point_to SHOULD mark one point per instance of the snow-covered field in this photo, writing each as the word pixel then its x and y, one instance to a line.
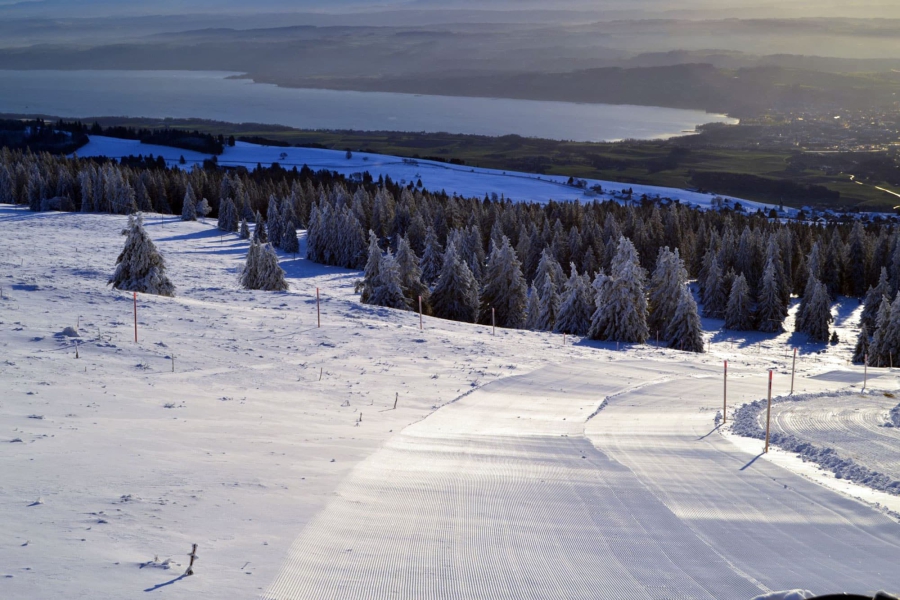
pixel 273 445
pixel 454 179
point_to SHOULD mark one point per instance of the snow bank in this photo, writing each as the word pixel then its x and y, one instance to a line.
pixel 746 423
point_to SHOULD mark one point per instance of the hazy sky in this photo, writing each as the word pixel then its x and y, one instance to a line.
pixel 686 8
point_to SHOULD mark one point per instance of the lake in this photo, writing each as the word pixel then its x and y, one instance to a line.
pixel 213 95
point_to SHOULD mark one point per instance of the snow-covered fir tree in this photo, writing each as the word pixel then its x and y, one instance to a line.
pixel 140 267
pixel 684 330
pixel 228 217
pixel 861 350
pixel 504 288
pixel 549 307
pixel 262 271
pixel 621 313
pixel 533 309
pixel 289 241
pixel 203 208
pixel 244 231
pixel 665 289
pixel 770 310
pixel 739 312
pixel 455 294
pixel 878 355
pixel 890 344
pixel 411 275
pixel 189 206
pixel 386 290
pixel 801 318
pixel 872 302
pixel 817 318
pixel 274 226
pixel 432 258
pixel 576 306
pixel 548 269
pixel 260 235
pixel 715 291
pixel 370 275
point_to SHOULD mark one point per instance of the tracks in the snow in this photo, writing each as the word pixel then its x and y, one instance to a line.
pixel 502 495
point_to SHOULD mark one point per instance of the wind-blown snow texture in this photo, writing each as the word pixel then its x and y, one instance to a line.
pixel 454 179
pixel 273 433
pixel 747 423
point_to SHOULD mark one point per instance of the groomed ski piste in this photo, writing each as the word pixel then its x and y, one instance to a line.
pixel 461 180
pixel 513 466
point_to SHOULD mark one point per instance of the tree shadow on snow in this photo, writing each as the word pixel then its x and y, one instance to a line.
pixel 845 308
pixel 196 235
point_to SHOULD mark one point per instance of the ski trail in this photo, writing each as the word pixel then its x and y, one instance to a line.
pixel 500 495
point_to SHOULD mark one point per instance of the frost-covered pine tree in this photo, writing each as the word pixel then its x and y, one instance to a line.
pixel 455 295
pixel 432 258
pixel 890 345
pixel 533 309
pixel 861 351
pixel 387 291
pixel 289 241
pixel 504 288
pixel 801 319
pixel 665 289
pixel 274 226
pixel 245 230
pixel 250 272
pixel 873 299
pixel 262 271
pixel 818 314
pixel 549 307
pixel 203 208
pixel 189 206
pixel 770 310
pixel 410 274
pixel 140 267
pixel 878 356
pixel 370 275
pixel 260 235
pixel 576 306
pixel 621 313
pixel 684 330
pixel 548 268
pixel 715 291
pixel 739 312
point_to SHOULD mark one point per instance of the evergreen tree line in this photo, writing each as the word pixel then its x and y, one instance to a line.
pixel 747 266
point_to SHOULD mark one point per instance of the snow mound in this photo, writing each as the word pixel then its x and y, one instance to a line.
pixel 69 332
pixel 746 423
pixel 787 595
pixel 894 417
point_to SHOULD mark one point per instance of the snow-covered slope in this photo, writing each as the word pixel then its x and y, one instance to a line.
pixel 454 179
pixel 270 428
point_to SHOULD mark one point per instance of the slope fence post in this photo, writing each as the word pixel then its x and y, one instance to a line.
pixel 769 413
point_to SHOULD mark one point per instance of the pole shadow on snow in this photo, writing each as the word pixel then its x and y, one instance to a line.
pixel 753 460
pixel 712 431
pixel 162 585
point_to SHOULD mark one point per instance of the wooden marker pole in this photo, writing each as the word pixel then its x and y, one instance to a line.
pixel 493 321
pixel 173 362
pixel 564 339
pixel 318 310
pixel 135 317
pixel 769 413
pixel 420 314
pixel 396 398
pixel 193 555
pixel 865 371
pixel 76 348
pixel 793 370
pixel 725 394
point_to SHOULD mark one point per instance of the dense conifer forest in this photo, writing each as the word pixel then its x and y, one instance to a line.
pixel 607 270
